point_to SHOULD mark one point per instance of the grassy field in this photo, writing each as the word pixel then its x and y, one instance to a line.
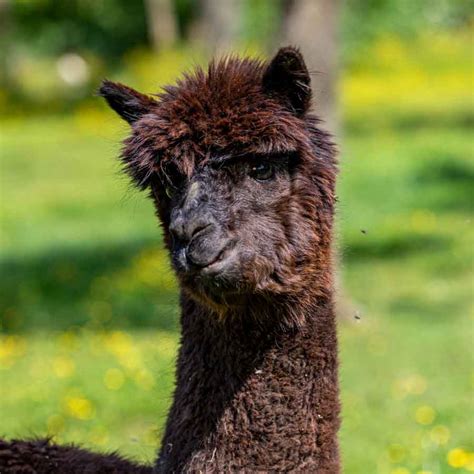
pixel 89 304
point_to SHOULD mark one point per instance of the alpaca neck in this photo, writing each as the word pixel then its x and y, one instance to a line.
pixel 254 398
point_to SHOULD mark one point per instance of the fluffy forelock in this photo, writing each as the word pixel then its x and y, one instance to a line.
pixel 223 110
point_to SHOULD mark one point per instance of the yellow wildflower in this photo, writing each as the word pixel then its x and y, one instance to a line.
pixel 458 457
pixel 440 434
pixel 425 415
pixel 80 408
pixel 396 453
pixel 470 462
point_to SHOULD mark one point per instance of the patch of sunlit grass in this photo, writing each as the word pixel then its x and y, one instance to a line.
pixel 428 76
pixel 64 388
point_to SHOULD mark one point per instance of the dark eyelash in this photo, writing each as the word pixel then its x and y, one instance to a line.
pixel 171 176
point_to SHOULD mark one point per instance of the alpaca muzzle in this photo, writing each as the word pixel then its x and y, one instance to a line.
pixel 198 240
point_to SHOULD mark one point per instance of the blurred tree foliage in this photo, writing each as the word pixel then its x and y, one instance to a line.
pixel 53 52
pixel 109 28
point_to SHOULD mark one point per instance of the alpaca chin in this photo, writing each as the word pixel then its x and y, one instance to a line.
pixel 219 305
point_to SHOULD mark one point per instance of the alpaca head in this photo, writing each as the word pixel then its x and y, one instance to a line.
pixel 242 178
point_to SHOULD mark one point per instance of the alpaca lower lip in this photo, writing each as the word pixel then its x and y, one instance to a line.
pixel 219 263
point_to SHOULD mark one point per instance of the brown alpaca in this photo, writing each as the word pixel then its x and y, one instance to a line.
pixel 243 182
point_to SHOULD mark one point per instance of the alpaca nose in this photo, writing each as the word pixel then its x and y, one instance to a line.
pixel 184 227
pixel 198 239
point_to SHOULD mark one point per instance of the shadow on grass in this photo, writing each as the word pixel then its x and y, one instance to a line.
pixel 127 285
pixel 445 168
pixel 422 309
pixel 447 181
pixel 409 121
pixel 394 246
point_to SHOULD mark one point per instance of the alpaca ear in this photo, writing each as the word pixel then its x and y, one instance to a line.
pixel 287 79
pixel 127 102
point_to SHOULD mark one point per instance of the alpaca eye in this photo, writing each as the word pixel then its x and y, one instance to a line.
pixel 170 191
pixel 262 171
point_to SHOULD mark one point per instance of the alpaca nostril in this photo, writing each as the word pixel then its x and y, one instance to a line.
pixel 176 228
pixel 184 228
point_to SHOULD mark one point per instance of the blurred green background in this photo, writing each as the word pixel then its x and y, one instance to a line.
pixel 88 301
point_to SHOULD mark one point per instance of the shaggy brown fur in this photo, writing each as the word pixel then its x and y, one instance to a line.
pixel 243 182
pixel 41 456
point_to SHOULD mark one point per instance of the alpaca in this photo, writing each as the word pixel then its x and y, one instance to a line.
pixel 243 182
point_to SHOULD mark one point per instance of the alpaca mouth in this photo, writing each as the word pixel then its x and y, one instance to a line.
pixel 218 278
pixel 219 262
